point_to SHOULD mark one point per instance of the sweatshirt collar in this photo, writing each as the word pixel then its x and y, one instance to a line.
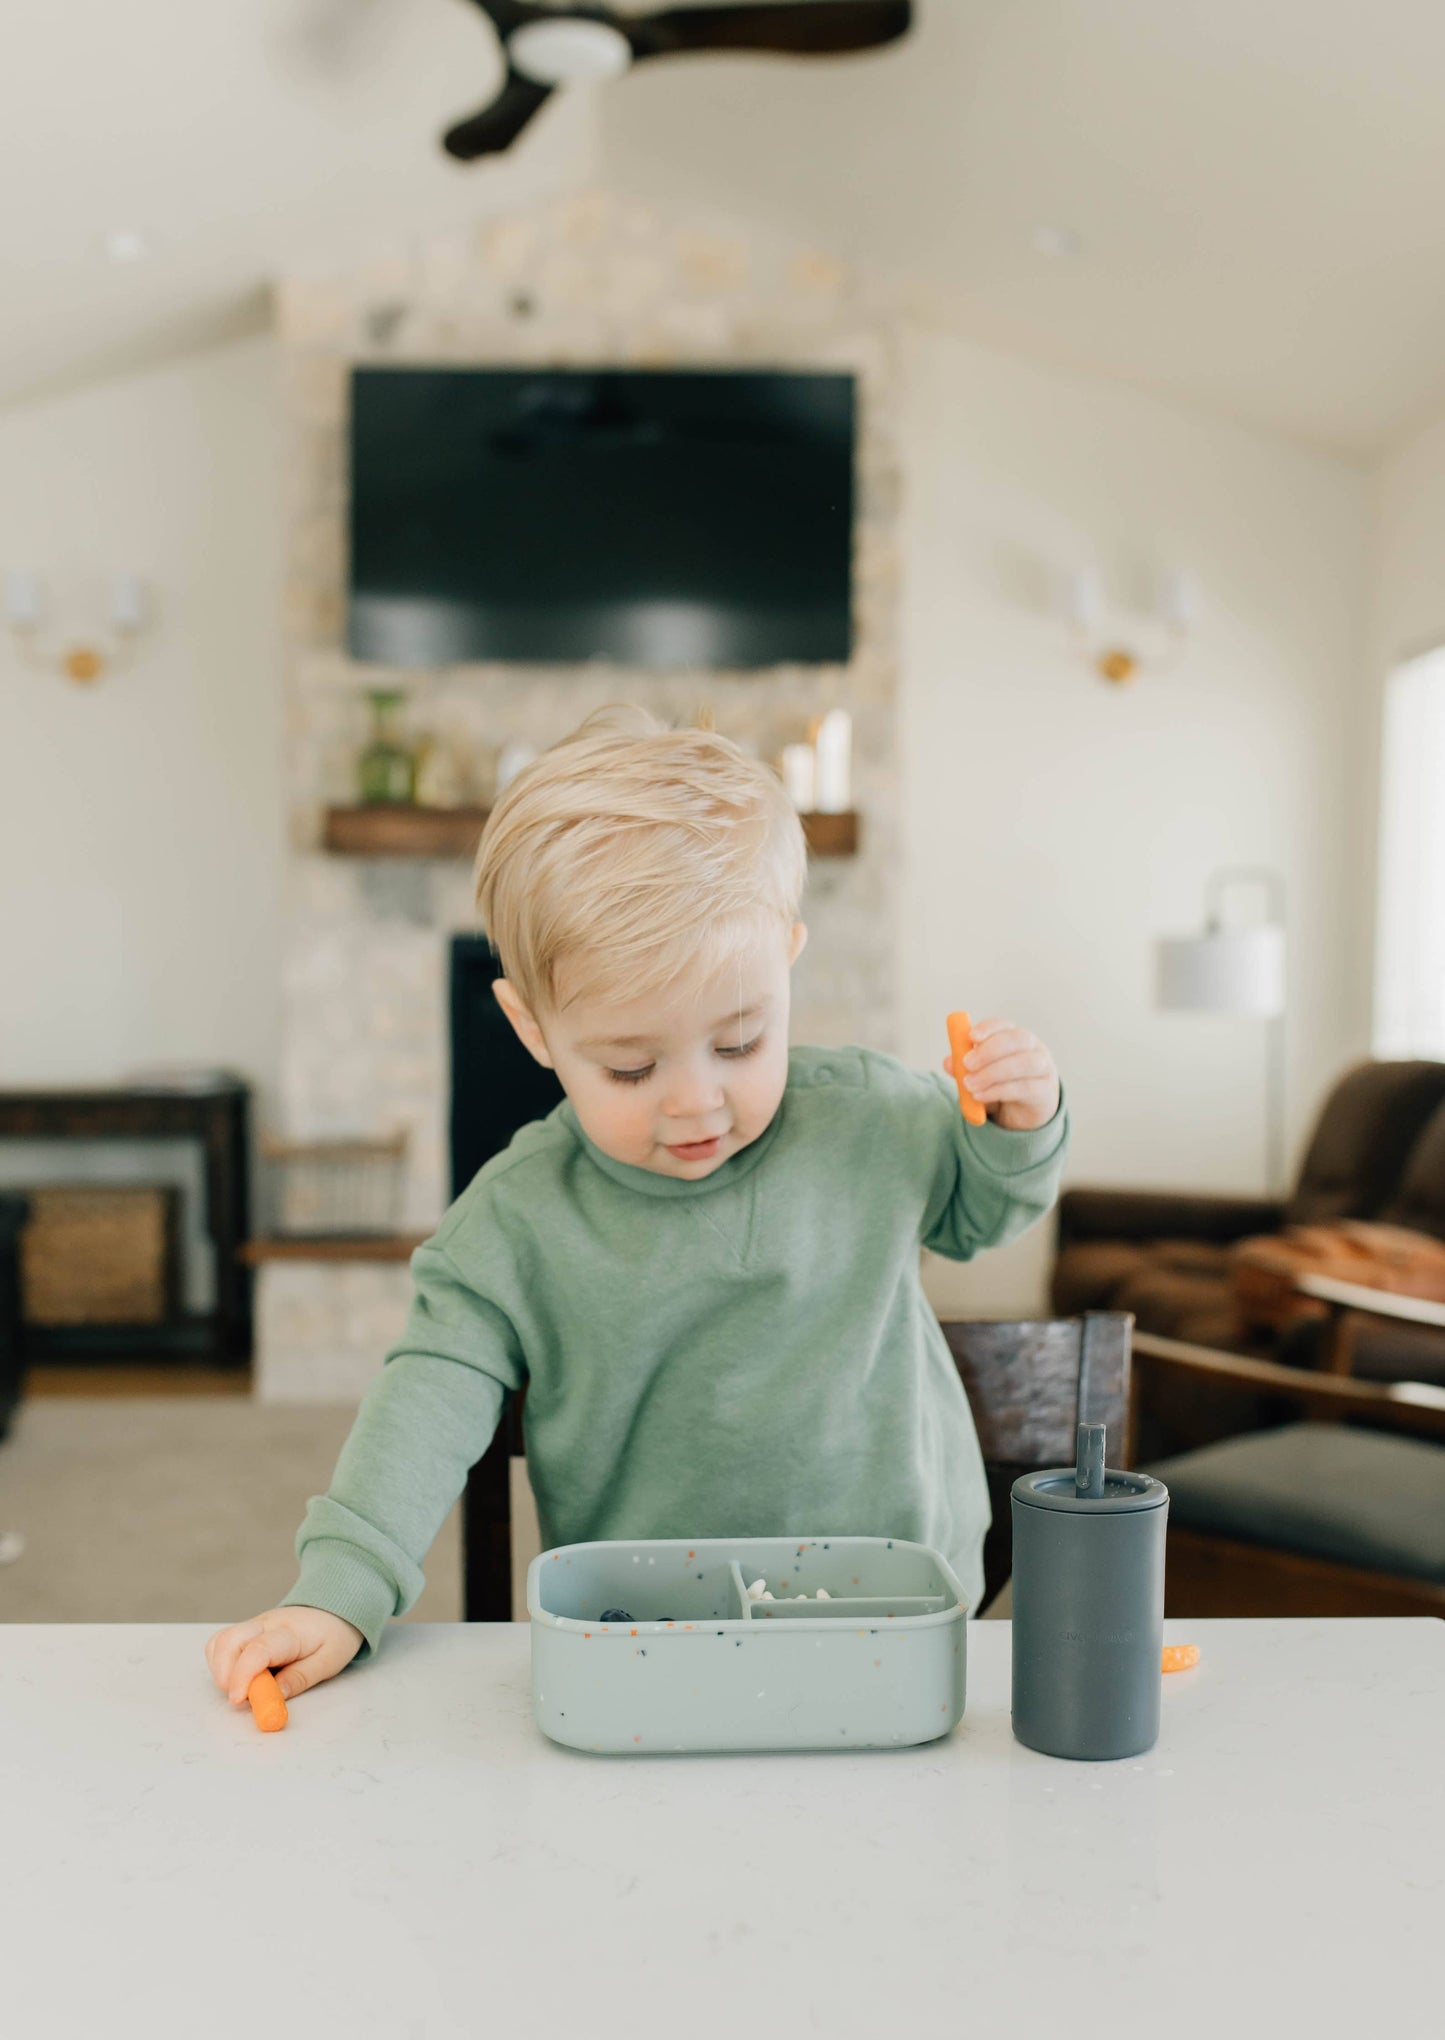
pixel 650 1184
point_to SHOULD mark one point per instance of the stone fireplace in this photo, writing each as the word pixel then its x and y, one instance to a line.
pixel 585 280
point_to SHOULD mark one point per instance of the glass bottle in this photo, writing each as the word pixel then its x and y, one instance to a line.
pixel 388 770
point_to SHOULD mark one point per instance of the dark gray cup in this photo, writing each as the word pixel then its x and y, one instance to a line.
pixel 1088 1606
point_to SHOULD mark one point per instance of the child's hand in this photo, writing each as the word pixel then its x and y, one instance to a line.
pixel 308 1642
pixel 1011 1074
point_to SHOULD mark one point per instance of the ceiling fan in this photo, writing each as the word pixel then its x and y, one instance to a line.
pixel 550 46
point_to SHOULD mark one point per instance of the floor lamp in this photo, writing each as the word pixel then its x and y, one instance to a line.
pixel 1242 971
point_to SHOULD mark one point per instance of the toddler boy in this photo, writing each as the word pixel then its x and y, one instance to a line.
pixel 704 1264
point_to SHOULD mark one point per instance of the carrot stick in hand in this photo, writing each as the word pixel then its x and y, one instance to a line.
pixel 960 1041
pixel 266 1702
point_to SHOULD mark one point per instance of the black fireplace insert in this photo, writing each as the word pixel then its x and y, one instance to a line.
pixel 497 1088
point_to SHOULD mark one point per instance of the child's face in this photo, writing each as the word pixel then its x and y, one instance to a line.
pixel 678 1081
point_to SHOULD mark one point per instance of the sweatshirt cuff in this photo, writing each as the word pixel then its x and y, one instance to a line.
pixel 342 1580
pixel 1008 1152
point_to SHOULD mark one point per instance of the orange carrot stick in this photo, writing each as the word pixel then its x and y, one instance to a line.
pixel 1179 1657
pixel 960 1041
pixel 266 1702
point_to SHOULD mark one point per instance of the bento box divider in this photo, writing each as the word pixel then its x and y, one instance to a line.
pixel 740 1592
pixel 872 1608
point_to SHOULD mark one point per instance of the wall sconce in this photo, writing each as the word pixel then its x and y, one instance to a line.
pixel 1174 614
pixel 81 657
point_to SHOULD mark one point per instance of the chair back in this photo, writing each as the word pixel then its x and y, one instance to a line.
pixel 1419 1202
pixel 1029 1385
pixel 1362 1139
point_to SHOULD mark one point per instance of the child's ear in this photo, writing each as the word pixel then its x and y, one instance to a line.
pixel 797 943
pixel 523 1020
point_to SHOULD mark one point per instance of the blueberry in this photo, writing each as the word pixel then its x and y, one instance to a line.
pixel 615 1615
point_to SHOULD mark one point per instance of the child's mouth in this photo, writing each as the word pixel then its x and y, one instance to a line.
pixel 697 1150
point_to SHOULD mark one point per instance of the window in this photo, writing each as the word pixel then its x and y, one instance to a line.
pixel 1410 948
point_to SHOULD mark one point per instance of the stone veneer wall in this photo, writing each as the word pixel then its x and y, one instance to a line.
pixel 585 281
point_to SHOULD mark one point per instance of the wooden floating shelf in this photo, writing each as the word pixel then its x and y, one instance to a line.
pixel 395 830
pixel 386 830
pixel 344 1247
pixel 831 835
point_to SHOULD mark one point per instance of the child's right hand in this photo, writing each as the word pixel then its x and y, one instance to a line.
pixel 310 1644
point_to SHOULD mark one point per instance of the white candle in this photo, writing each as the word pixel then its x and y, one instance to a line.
pixel 834 749
pixel 800 775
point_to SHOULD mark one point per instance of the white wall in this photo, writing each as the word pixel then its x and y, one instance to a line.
pixel 1409 544
pixel 141 830
pixel 1054 825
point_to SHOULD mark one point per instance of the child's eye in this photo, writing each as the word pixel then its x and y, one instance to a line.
pixel 733 1054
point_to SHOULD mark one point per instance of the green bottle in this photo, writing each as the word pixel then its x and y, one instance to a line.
pixel 388 769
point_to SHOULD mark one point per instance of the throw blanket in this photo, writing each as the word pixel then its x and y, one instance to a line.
pixel 1265 1269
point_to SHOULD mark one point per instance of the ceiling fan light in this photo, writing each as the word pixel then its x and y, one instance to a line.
pixel 568 52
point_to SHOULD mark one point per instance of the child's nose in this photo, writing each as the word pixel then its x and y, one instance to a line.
pixel 693 1094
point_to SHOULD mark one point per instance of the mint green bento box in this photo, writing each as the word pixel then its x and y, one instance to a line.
pixel 697 1665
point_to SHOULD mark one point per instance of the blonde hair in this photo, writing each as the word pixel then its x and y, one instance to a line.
pixel 630 849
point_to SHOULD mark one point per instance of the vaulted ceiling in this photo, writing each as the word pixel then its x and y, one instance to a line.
pixel 1245 195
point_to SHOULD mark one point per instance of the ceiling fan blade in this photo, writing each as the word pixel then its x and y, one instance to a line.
pixel 496 126
pixel 505 15
pixel 807 28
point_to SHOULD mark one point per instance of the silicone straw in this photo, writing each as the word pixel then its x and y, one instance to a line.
pixel 1089 1470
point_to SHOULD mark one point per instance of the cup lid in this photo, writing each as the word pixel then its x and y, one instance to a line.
pixel 1057 1488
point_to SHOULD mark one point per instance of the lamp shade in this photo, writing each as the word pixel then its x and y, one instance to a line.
pixel 1239 970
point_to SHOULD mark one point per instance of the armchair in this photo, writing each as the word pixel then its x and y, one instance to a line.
pixel 1377 1152
pixel 1314 1517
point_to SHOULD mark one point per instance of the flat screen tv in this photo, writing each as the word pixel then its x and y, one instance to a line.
pixel 673 518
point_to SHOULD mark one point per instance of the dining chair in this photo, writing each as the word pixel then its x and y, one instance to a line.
pixel 1029 1384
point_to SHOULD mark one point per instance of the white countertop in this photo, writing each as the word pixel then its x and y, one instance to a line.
pixel 411 1859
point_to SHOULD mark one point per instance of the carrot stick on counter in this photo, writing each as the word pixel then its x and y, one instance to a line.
pixel 266 1702
pixel 1180 1657
pixel 960 1041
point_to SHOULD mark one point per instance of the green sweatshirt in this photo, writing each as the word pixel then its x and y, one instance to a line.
pixel 746 1355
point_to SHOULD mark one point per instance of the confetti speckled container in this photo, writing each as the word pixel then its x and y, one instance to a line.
pixel 697 1666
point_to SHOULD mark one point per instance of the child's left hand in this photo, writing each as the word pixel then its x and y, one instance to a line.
pixel 1012 1075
